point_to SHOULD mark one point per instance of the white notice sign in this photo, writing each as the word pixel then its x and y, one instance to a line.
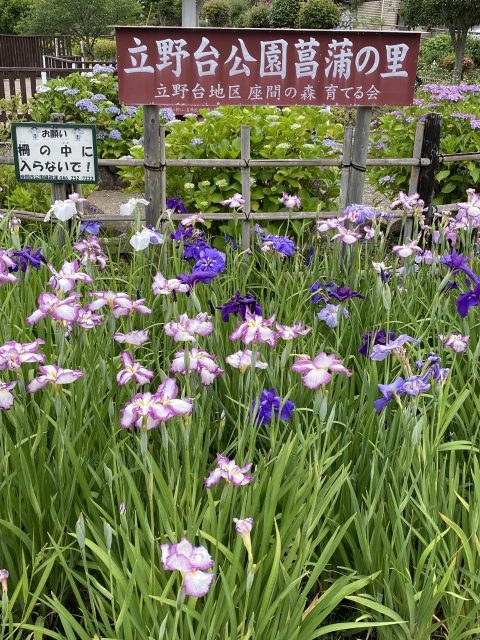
pixel 55 152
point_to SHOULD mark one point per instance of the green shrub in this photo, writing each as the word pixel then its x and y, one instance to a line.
pixel 105 50
pixel 258 17
pixel 284 13
pixel 169 13
pixel 319 14
pixel 449 64
pixel 435 50
pixel 217 12
pixel 472 49
pixel 238 9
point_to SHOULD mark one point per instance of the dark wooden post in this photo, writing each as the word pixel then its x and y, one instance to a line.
pixel 59 190
pixel 430 150
pixel 360 152
pixel 151 133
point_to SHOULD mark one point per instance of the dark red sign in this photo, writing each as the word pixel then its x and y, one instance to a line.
pixel 191 68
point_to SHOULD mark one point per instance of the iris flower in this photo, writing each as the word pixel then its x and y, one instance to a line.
pixel 268 403
pixel 49 305
pixel 381 351
pixel 379 337
pixel 290 202
pixel 239 304
pixel 6 396
pixel 191 562
pixel 289 333
pixel 62 209
pixel 330 315
pixel 455 341
pixel 255 328
pixel 26 258
pixel 234 202
pixel 54 374
pixel 13 354
pixel 148 410
pixel 132 371
pixel 200 361
pixel 161 285
pixel 135 338
pixel 388 391
pixel 186 329
pixel 228 470
pixel 319 370
pixel 243 360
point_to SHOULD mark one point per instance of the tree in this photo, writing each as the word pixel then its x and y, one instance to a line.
pixel 11 12
pixel 284 13
pixel 319 14
pixel 85 20
pixel 217 12
pixel 459 16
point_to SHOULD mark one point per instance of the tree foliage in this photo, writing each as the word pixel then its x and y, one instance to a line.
pixel 258 16
pixel 319 14
pixel 11 12
pixel 457 15
pixel 284 13
pixel 217 12
pixel 82 19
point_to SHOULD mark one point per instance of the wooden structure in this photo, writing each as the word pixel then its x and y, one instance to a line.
pixel 28 51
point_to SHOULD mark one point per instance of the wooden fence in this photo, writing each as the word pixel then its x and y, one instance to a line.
pixel 27 51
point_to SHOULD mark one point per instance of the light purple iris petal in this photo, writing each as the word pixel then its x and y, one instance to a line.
pixel 6 397
pixel 198 583
pixel 380 352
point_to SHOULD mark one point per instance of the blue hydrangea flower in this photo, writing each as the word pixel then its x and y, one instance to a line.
pixel 114 110
pixel 167 113
pixel 71 92
pixel 121 117
pixel 87 105
pixel 115 134
pixel 101 135
pixel 196 141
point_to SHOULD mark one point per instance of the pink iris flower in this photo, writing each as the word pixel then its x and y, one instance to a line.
pixel 13 354
pixel 126 307
pixel 148 410
pixel 327 225
pixel 91 252
pixel 135 338
pixel 54 374
pixel 5 260
pixel 186 329
pixel 347 236
pixel 49 305
pixel 88 244
pixel 191 562
pixel 6 396
pixel 317 371
pixel 407 202
pixel 228 470
pixel 455 341
pixel 234 202
pixel 255 328
pixel 192 220
pixel 243 360
pixel 87 319
pixel 133 371
pixel 65 279
pixel 406 250
pixel 161 285
pixel 289 333
pixel 110 298
pixel 7 277
pixel 200 361
pixel 290 202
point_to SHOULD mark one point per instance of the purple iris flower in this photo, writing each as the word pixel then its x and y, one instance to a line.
pixel 326 290
pixel 235 244
pixel 457 262
pixel 239 304
pixel 308 259
pixel 177 205
pixel 193 251
pixel 268 402
pixel 280 244
pixel 414 385
pixel 26 258
pixel 388 391
pixel 227 238
pixel 91 226
pixel 197 276
pixel 431 360
pixel 344 293
pixel 470 298
pixel 210 260
pixel 380 352
pixel 181 233
pixel 379 337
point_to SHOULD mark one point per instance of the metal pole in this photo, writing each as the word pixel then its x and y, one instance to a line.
pixel 151 133
pixel 245 152
pixel 189 13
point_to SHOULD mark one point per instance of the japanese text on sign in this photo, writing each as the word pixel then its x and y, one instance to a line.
pixel 55 152
pixel 192 68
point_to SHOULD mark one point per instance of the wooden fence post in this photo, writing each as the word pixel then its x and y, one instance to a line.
pixel 414 175
pixel 346 160
pixel 59 190
pixel 245 170
pixel 163 177
pixel 430 149
pixel 151 137
pixel 360 151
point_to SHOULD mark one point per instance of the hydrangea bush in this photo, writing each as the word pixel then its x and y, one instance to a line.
pixel 460 109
